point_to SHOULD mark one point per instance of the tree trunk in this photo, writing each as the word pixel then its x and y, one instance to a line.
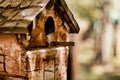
pixel 106 34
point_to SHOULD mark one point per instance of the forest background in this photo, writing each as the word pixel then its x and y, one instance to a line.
pixel 98 42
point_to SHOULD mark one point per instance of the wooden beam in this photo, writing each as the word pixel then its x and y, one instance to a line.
pixel 2 54
pixel 62 44
pixel 12 75
pixel 52 44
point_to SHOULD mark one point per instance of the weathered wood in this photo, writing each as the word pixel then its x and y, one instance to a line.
pixel 2 62
pixel 18 14
pixel 52 63
pixel 29 9
pixel 25 3
pixel 36 3
pixel 16 30
pixel 15 27
pixel 62 44
pixel 2 54
pixel 23 24
pixel 66 15
pixel 1 1
pixel 27 14
pixel 9 13
pixel 48 61
pixel 2 20
pixel 5 3
pixel 13 75
pixel 15 3
pixel 51 45
pixel 9 24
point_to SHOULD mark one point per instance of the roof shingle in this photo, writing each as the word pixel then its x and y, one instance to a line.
pixel 19 13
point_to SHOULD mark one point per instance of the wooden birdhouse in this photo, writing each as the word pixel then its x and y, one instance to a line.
pixel 34 38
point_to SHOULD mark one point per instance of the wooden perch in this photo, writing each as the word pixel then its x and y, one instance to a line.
pixel 2 54
pixel 52 44
pixel 62 44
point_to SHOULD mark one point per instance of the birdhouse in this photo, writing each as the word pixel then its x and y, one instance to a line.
pixel 34 38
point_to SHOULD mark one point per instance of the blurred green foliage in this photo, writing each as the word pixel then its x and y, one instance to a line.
pixel 87 9
pixel 91 10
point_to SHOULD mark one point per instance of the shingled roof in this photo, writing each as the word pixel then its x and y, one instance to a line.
pixel 17 15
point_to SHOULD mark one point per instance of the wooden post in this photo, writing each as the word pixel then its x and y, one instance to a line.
pixel 72 59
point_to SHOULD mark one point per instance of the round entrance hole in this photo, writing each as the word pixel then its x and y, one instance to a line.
pixel 49 26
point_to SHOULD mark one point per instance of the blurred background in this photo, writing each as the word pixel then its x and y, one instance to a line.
pixel 97 51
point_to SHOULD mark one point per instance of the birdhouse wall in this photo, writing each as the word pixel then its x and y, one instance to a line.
pixel 10 47
pixel 48 63
pixel 38 34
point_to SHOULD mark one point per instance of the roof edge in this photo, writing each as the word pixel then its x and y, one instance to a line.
pixel 67 15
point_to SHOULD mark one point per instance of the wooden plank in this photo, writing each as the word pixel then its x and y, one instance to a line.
pixel 61 8
pixel 18 16
pixel 52 44
pixel 1 20
pixel 1 67
pixel 1 59
pixel 62 44
pixel 9 13
pixel 15 3
pixel 49 65
pixel 25 3
pixel 5 3
pixel 27 14
pixel 9 24
pixel 1 10
pixel 14 30
pixel 48 76
pixel 23 24
pixel 35 3
pixel 2 54
pixel 10 3
pixel 1 1
pixel 13 75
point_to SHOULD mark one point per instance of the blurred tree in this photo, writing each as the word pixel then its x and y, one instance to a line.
pixel 89 10
pixel 106 35
pixel 95 10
